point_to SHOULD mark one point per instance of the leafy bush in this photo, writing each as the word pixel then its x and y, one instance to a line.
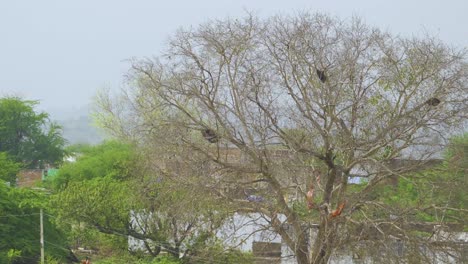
pixel 125 259
pixel 217 254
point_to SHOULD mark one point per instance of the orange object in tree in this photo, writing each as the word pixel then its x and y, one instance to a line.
pixel 338 210
pixel 310 197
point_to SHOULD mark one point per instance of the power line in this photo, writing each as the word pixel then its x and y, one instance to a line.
pixel 19 215
pixel 56 246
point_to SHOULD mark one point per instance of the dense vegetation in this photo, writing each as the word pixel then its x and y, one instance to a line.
pixel 99 198
pixel 265 117
pixel 19 222
pixel 27 136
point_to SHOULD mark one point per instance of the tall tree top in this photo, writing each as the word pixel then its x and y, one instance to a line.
pixel 29 136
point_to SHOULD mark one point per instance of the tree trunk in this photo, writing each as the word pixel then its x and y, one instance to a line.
pixel 302 258
pixel 302 250
pixel 323 244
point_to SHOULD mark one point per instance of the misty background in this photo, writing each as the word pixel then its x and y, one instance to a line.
pixel 62 52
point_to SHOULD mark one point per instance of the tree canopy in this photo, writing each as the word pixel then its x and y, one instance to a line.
pixel 19 222
pixel 289 108
pixel 112 159
pixel 8 168
pixel 109 190
pixel 27 136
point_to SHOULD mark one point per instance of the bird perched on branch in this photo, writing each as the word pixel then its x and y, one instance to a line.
pixel 210 135
pixel 321 75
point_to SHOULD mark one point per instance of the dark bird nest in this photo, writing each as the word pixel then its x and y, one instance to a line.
pixel 433 101
pixel 210 135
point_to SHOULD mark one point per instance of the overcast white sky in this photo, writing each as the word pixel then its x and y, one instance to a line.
pixel 60 52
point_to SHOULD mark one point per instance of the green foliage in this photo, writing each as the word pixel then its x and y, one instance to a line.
pixel 104 202
pixel 435 194
pixel 13 255
pixel 51 260
pixel 165 260
pixel 93 196
pixel 28 136
pixel 300 207
pixel 78 148
pixel 86 236
pixel 112 159
pixel 124 259
pixel 19 223
pixel 216 253
pixel 456 155
pixel 8 168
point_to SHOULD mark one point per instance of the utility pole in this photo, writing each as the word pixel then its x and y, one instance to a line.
pixel 44 191
pixel 42 237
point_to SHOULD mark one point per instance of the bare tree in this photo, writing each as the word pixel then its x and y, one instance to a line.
pixel 287 108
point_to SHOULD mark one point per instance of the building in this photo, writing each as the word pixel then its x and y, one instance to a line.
pixel 32 177
pixel 29 177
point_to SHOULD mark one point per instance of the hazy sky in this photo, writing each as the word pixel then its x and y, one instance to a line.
pixel 60 52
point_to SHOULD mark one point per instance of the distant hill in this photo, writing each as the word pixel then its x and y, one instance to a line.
pixel 80 130
pixel 77 125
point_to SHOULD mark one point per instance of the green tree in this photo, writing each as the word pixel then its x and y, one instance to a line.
pixel 27 136
pixel 8 168
pixel 107 189
pixel 111 159
pixel 436 193
pixel 425 203
pixel 93 189
pixel 19 224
